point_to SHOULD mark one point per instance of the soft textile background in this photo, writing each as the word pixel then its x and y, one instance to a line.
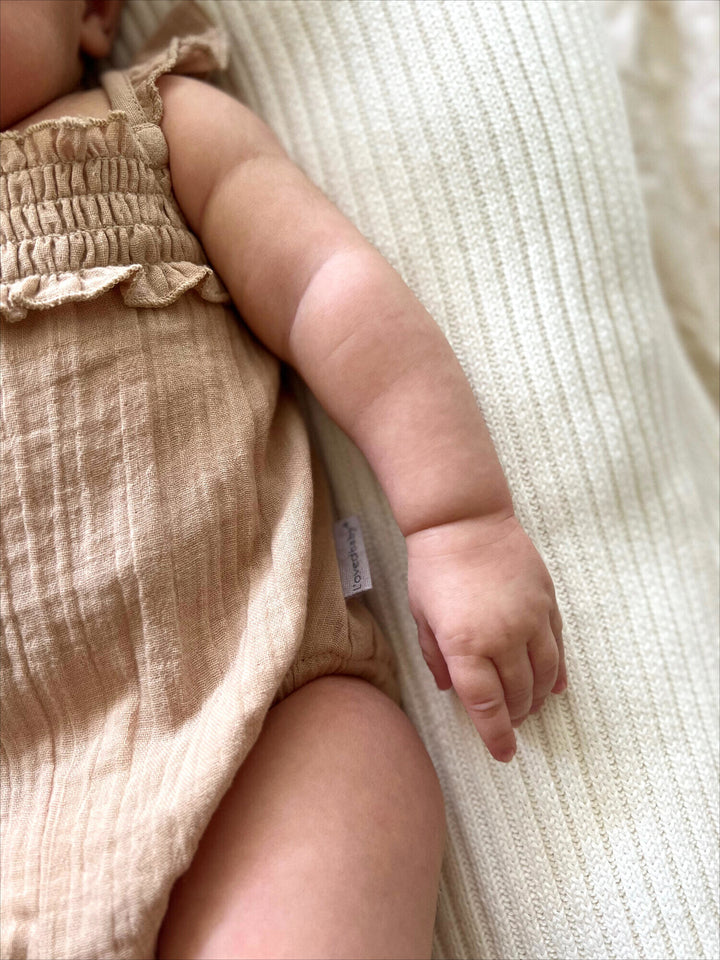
pixel 484 148
pixel 666 55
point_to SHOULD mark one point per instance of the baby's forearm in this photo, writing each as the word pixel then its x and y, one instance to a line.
pixel 324 300
pixel 384 371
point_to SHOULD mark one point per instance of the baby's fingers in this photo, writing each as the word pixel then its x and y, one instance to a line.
pixel 432 655
pixel 478 685
pixel 544 656
pixel 557 625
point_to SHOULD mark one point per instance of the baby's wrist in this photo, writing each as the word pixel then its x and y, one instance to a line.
pixel 489 525
pixel 451 496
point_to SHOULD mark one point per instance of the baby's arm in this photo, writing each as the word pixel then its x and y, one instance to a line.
pixel 325 301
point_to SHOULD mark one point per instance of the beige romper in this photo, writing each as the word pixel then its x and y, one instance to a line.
pixel 167 563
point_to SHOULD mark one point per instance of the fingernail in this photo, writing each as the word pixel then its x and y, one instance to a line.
pixel 507 755
pixel 562 688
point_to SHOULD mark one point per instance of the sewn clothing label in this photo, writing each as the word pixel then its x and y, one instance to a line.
pixel 352 558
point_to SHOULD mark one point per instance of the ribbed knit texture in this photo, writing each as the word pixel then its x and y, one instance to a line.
pixel 667 60
pixel 484 149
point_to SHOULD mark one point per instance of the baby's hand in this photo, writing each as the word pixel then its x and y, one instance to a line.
pixel 488 622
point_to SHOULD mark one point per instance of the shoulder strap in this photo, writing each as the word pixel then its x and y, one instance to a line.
pixel 122 96
pixel 185 42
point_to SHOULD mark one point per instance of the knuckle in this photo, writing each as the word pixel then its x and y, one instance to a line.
pixel 517 624
pixel 462 644
pixel 505 621
pixel 486 708
pixel 519 695
pixel 483 645
pixel 546 671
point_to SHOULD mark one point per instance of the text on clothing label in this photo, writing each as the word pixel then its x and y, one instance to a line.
pixel 352 558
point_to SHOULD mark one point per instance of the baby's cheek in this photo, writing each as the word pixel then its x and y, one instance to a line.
pixel 39 55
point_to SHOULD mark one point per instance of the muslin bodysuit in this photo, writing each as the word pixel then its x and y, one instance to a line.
pixel 168 571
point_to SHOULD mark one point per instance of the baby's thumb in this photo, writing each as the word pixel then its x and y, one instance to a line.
pixel 433 655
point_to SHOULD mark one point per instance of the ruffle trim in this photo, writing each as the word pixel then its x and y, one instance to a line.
pixel 186 42
pixel 141 285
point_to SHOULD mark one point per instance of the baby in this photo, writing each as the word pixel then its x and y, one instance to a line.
pixel 324 301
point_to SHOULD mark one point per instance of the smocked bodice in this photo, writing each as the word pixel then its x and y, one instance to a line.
pixel 86 204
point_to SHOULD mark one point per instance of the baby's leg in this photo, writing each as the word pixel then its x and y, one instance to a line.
pixel 328 843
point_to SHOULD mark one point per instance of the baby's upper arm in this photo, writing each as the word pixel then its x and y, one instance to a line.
pixel 208 133
pixel 264 226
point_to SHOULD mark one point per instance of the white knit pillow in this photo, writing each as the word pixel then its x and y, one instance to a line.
pixel 483 148
pixel 666 56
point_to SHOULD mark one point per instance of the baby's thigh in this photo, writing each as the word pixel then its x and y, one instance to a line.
pixel 328 843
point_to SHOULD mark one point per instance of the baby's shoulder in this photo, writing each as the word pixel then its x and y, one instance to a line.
pixel 197 111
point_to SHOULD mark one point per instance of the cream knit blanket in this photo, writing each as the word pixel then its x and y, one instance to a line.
pixel 483 147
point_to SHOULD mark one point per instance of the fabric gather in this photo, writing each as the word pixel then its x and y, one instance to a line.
pixel 86 206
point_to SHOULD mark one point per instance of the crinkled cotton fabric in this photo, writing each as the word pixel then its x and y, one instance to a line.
pixel 168 569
